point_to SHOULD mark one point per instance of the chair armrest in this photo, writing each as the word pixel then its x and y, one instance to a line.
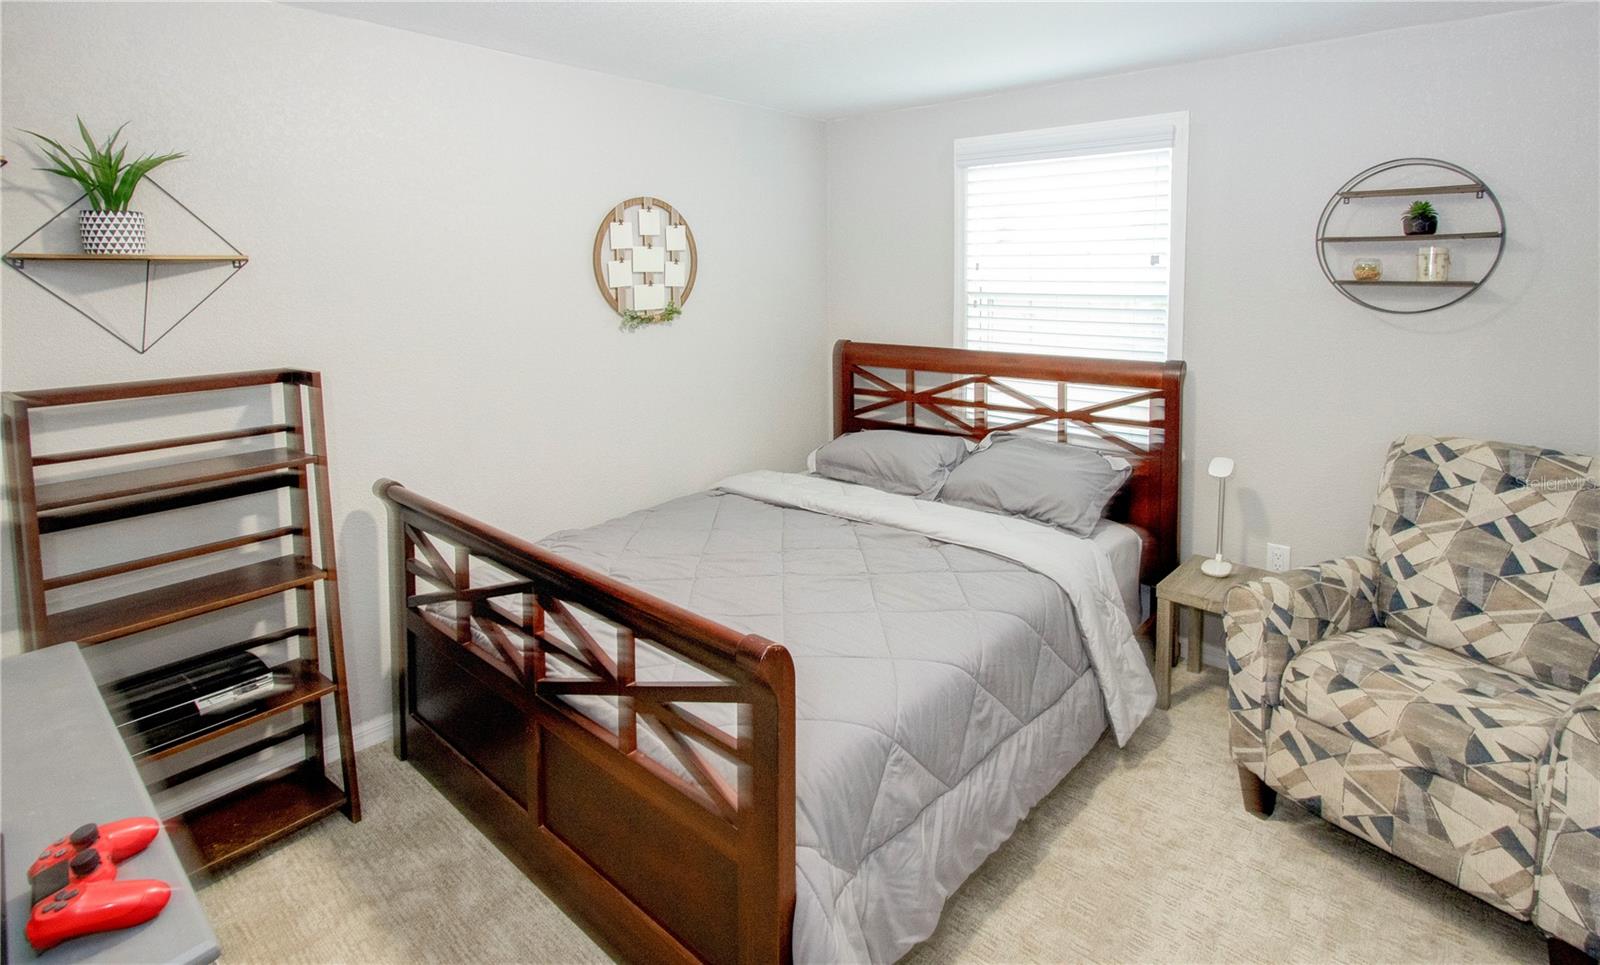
pixel 1567 890
pixel 1268 621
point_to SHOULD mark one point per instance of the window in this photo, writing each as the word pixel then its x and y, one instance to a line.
pixel 1070 240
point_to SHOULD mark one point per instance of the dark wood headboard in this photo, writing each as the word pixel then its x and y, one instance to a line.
pixel 1127 408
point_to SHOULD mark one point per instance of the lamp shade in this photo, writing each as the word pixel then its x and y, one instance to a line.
pixel 1220 468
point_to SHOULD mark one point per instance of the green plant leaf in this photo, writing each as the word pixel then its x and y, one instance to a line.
pixel 134 173
pixel 633 319
pixel 105 172
pixel 88 141
pixel 111 141
pixel 49 141
pixel 67 165
pixel 62 157
pixel 107 178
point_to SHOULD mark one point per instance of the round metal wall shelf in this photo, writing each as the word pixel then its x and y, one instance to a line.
pixel 1370 184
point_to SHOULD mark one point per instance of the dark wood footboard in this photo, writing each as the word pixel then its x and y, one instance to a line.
pixel 497 646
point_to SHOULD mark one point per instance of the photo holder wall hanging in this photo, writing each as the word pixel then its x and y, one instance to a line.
pixel 644 261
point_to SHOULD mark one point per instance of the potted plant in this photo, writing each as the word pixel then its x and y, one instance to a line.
pixel 1420 219
pixel 106 227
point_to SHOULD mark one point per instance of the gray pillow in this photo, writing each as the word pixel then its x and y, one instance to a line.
pixel 909 463
pixel 1049 482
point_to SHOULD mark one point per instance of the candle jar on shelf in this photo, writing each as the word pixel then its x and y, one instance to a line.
pixel 1367 269
pixel 1433 263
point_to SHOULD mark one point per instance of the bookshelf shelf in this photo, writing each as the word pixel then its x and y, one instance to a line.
pixel 237 823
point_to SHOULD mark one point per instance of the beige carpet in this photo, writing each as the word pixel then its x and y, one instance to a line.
pixel 1141 855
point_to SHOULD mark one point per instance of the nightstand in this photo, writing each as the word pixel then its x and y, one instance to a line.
pixel 1186 588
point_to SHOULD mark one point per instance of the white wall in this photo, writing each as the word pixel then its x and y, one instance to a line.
pixel 1302 387
pixel 419 216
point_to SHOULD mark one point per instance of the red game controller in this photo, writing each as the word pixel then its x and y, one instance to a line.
pixel 95 906
pixel 87 866
pixel 117 842
pixel 75 891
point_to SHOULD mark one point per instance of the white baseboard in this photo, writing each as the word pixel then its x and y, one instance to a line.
pixel 180 799
pixel 369 734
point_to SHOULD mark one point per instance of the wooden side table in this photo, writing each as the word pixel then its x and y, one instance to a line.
pixel 1186 588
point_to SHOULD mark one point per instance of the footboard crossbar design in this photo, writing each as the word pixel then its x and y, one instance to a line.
pixel 636 759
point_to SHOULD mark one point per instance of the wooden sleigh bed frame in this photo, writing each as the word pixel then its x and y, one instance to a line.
pixel 656 867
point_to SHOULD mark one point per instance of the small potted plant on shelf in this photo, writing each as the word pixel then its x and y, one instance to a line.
pixel 106 227
pixel 1420 219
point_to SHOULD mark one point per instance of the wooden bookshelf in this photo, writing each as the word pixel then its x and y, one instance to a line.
pixel 90 487
pixel 306 685
pixel 149 609
pixel 138 482
pixel 151 445
pixel 178 497
pixel 258 814
pixel 174 556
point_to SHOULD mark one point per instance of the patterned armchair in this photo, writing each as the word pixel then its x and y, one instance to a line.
pixel 1441 697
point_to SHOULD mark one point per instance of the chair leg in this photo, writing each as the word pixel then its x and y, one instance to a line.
pixel 1563 954
pixel 1259 799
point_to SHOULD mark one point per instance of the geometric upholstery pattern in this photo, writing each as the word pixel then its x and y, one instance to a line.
pixel 1267 622
pixel 1483 846
pixel 1441 698
pixel 1491 549
pixel 1569 814
pixel 1481 727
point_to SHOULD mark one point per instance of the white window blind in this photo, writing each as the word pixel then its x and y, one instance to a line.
pixel 1069 240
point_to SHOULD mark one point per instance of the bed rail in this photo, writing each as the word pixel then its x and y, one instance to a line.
pixel 500 658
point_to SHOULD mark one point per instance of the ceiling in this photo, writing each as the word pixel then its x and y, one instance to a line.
pixel 833 59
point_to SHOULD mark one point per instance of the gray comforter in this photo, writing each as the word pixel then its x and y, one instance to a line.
pixel 941 691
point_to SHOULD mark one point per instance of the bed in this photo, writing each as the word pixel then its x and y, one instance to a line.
pixel 785 718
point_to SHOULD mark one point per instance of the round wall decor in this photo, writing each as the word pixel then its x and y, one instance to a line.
pixel 1411 235
pixel 644 261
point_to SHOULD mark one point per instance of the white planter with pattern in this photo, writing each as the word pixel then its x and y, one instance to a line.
pixel 111 232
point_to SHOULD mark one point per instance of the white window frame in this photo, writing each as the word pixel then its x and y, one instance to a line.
pixel 1094 138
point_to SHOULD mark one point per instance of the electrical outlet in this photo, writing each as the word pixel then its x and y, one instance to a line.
pixel 1277 557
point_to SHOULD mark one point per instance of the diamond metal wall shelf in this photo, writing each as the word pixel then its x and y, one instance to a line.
pixel 146 339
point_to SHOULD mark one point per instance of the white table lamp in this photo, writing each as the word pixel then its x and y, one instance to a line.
pixel 1220 469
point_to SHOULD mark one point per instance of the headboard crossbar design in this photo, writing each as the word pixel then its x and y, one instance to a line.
pixel 1127 408
pixel 1028 412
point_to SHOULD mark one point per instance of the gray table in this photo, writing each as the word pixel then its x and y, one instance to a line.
pixel 63 764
